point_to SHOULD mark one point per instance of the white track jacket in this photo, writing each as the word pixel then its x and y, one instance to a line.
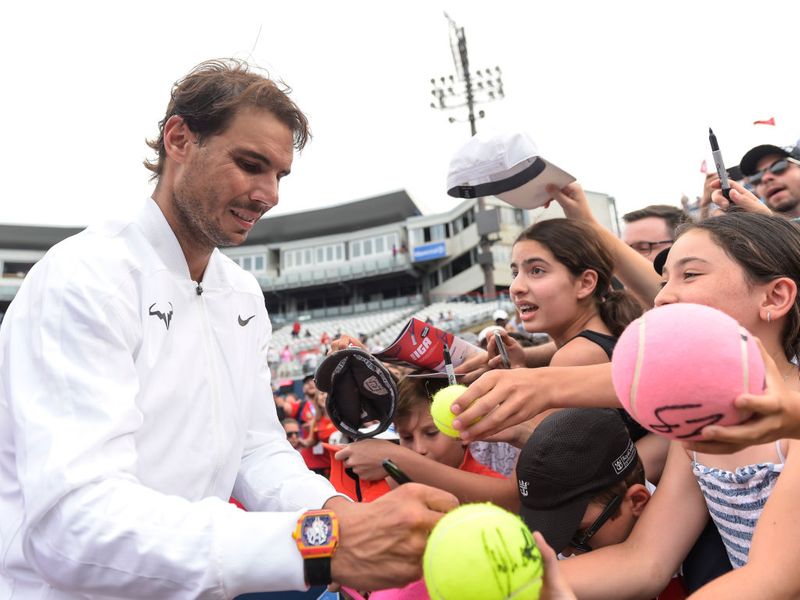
pixel 131 408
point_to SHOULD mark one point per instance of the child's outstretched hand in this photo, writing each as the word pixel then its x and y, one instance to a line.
pixel 555 587
pixel 776 415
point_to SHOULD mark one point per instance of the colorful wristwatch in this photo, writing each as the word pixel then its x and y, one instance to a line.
pixel 317 535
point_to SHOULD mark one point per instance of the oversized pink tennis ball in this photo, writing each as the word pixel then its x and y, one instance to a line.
pixel 679 367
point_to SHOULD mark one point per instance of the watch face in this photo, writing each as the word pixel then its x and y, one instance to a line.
pixel 317 530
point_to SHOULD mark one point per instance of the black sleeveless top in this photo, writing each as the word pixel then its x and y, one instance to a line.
pixel 607 343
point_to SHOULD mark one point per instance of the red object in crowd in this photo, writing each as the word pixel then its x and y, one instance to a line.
pixel 770 121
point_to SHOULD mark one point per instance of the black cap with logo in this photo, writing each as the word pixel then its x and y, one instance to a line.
pixel 361 392
pixel 573 455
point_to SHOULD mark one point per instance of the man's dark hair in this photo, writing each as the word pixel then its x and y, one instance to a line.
pixel 214 92
pixel 673 215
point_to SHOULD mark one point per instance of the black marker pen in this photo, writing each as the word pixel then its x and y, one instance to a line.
pixel 448 366
pixel 395 472
pixel 723 174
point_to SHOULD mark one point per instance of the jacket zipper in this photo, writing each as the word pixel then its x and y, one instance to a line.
pixel 214 389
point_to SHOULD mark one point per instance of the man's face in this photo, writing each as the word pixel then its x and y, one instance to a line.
pixel 225 184
pixel 643 234
pixel 310 389
pixel 780 191
pixel 292 434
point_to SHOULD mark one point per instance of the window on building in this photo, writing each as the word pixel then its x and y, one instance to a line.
pixel 355 249
pixel 461 263
pixel 339 252
pixel 247 263
pixel 367 247
pixel 320 255
pixel 307 256
pixel 438 232
pixel 329 254
pixel 380 245
pixel 258 265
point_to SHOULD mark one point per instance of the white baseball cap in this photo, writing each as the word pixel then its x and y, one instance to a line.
pixel 507 166
pixel 500 314
pixel 487 331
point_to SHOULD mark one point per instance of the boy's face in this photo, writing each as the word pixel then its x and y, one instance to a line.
pixel 613 531
pixel 418 433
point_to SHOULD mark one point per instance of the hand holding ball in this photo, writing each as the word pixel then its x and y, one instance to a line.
pixel 484 552
pixel 679 367
pixel 442 416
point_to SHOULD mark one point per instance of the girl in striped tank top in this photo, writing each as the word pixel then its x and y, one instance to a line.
pixel 748 266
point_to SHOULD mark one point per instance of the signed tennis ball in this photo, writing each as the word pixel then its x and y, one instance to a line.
pixel 440 409
pixel 679 367
pixel 484 552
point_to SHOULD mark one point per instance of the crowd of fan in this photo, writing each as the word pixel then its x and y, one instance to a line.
pixel 576 283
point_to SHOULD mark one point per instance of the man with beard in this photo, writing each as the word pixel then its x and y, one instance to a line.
pixel 135 395
pixel 774 174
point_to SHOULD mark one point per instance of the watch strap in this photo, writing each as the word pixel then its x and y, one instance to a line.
pixel 317 570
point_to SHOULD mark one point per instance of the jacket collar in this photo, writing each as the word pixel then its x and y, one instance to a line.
pixel 161 236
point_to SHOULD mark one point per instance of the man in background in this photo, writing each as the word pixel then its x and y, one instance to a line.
pixel 774 174
pixel 651 229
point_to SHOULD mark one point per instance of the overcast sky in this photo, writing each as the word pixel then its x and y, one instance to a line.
pixel 620 97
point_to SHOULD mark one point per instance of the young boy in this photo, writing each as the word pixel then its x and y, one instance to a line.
pixel 417 431
pixel 582 484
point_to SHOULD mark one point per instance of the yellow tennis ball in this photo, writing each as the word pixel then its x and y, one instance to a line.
pixel 440 409
pixel 484 552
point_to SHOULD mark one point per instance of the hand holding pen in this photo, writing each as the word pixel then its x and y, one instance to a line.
pixel 719 164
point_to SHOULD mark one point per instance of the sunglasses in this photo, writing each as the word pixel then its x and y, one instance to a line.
pixel 292 434
pixel 581 542
pixel 776 168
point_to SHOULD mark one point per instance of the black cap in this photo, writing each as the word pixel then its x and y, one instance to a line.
pixel 750 160
pixel 573 455
pixel 660 260
pixel 360 391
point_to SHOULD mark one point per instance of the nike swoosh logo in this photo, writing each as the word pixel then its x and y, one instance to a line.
pixel 244 322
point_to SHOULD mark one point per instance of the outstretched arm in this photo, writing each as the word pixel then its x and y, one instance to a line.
pixel 634 270
pixel 365 458
pixel 508 397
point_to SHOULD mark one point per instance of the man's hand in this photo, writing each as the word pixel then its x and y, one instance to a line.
pixel 365 458
pixel 776 415
pixel 382 542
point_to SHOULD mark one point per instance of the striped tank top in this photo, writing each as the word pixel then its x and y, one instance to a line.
pixel 735 500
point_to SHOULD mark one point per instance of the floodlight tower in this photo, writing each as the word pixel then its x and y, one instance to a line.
pixel 466 89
